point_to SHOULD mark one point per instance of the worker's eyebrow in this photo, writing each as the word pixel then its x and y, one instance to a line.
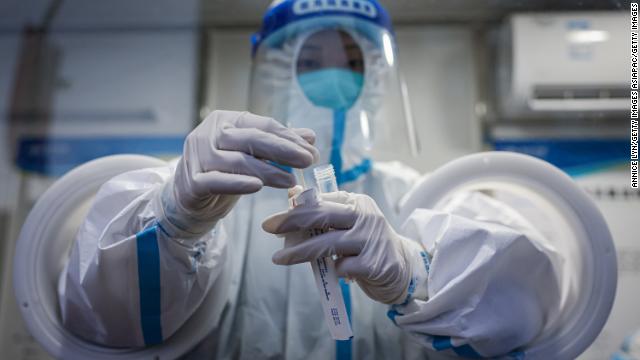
pixel 311 47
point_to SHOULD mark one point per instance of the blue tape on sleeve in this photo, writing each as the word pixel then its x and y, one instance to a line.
pixel 442 343
pixel 149 285
pixel 391 314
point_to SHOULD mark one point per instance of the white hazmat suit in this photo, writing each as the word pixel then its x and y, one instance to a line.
pixel 474 280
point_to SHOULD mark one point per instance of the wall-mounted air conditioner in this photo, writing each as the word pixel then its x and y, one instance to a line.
pixel 563 64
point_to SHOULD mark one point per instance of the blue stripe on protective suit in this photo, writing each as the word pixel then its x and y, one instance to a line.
pixel 442 343
pixel 355 172
pixel 339 124
pixel 391 314
pixel 149 285
pixel 288 169
pixel 344 347
pixel 344 350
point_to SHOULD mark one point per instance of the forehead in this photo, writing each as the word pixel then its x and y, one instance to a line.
pixel 330 38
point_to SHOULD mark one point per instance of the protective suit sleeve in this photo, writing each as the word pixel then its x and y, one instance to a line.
pixel 128 283
pixel 492 285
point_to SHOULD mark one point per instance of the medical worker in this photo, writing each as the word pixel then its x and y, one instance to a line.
pixel 474 279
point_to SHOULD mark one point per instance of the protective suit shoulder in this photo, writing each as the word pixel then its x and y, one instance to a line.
pixel 390 181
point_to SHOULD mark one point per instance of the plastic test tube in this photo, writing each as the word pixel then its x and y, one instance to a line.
pixel 324 271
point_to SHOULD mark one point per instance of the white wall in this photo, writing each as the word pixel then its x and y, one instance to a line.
pixel 111 92
pixel 620 211
pixel 227 69
pixel 125 82
pixel 92 14
pixel 438 65
pixel 436 61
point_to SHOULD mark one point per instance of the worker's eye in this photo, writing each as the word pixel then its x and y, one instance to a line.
pixel 308 64
pixel 356 65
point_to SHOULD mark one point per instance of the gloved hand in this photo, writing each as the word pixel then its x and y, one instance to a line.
pixel 386 265
pixel 225 156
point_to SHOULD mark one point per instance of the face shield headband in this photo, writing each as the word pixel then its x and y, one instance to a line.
pixel 290 12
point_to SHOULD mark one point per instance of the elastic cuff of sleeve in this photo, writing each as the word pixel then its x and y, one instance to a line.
pixel 420 262
pixel 165 210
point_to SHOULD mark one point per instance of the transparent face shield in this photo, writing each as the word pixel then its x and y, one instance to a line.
pixel 337 75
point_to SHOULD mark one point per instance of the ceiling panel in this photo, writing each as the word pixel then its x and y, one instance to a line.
pixel 249 12
pixel 83 14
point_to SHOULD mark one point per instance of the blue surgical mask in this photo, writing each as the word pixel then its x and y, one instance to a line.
pixel 336 89
pixel 333 88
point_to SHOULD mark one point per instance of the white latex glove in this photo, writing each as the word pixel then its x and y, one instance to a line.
pixel 224 157
pixel 386 265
